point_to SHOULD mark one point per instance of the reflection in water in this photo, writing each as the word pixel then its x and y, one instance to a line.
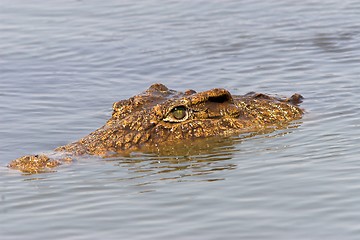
pixel 177 162
pixel 198 160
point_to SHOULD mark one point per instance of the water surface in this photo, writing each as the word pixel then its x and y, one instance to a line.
pixel 63 63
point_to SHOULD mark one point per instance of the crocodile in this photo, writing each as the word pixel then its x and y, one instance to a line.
pixel 160 116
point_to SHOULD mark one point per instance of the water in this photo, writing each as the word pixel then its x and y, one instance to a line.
pixel 63 63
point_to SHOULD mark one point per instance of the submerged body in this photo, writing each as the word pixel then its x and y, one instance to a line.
pixel 161 116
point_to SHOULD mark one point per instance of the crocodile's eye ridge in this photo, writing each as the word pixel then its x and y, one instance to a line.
pixel 177 114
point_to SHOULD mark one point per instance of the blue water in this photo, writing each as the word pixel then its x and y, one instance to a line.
pixel 63 63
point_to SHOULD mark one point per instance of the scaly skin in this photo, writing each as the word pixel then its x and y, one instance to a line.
pixel 162 116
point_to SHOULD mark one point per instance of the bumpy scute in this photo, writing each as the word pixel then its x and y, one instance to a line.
pixel 34 163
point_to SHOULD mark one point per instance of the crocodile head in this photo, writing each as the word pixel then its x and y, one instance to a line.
pixel 160 116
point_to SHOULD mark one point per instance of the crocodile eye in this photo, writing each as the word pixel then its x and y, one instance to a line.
pixel 177 114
